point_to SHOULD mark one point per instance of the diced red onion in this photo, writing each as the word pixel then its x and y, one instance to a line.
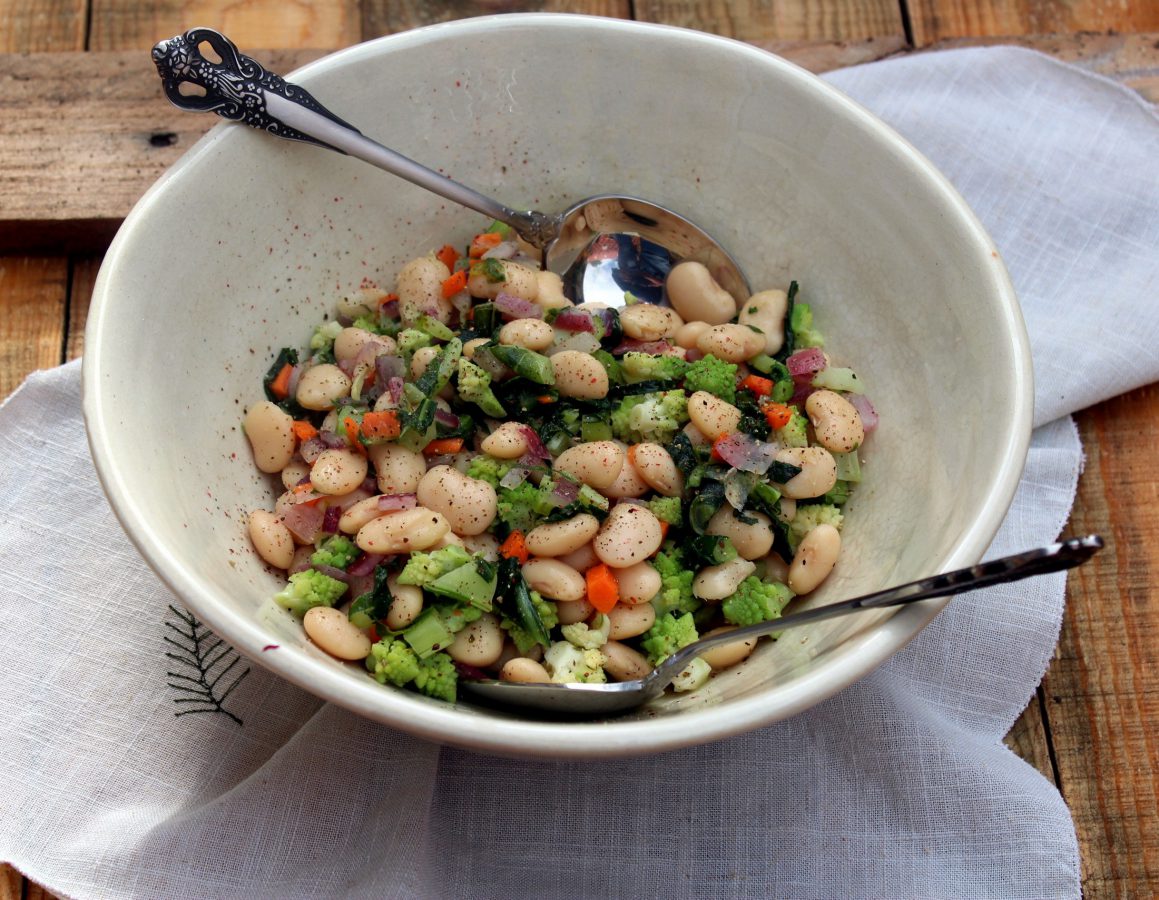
pixel 389 309
pixel 564 491
pixel 806 362
pixel 330 519
pixel 344 320
pixel 489 364
pixel 335 573
pixel 392 502
pixel 502 250
pixel 535 446
pixel 292 384
pixel 575 320
pixel 312 448
pixel 512 307
pixel 301 560
pixel 580 341
pixel 332 440
pixel 745 453
pixel 388 366
pixel 693 354
pixel 609 317
pixel 513 478
pixel 444 417
pixel 364 565
pixel 654 348
pixel 472 673
pixel 361 584
pixel 304 521
pixel 347 367
pixel 865 409
pixel 369 484
pixel 394 387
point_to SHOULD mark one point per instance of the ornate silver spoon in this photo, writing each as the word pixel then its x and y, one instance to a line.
pixel 593 700
pixel 602 246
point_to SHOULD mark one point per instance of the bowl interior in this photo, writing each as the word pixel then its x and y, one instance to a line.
pixel 248 241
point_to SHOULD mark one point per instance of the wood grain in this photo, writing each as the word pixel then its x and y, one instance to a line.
pixel 932 20
pixel 82 277
pixel 34 291
pixel 1103 689
pixel 11 883
pixel 760 20
pixel 42 26
pixel 381 17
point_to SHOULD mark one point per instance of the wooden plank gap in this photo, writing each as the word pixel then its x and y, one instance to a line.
pixel 1044 712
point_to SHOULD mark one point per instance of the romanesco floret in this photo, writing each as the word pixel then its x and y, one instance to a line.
pixel 437 677
pixel 456 618
pixel 668 635
pixel 666 509
pixel 489 469
pixel 474 386
pixel 411 339
pixel 650 417
pixel 804 334
pixel 517 507
pixel 337 551
pixel 638 366
pixel 422 568
pixel 567 663
pixel 675 585
pixel 713 375
pixel 794 433
pixel 809 517
pixel 548 615
pixel 322 341
pixel 756 601
pixel 369 323
pixel 392 660
pixel 309 589
pixel 588 637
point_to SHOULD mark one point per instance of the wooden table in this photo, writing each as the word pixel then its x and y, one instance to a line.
pixel 84 130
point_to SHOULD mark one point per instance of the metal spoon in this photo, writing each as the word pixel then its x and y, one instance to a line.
pixel 588 700
pixel 602 246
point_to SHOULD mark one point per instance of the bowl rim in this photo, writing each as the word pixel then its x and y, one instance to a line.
pixel 445 723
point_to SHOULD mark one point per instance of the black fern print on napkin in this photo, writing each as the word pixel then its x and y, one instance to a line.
pixel 207 675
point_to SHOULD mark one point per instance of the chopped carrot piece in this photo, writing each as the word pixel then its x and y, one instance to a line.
pixel 762 387
pixel 280 386
pixel 777 414
pixel 381 426
pixel 454 284
pixel 603 589
pixel 303 430
pixel 351 426
pixel 515 546
pixel 448 256
pixel 388 298
pixel 663 529
pixel 443 445
pixel 716 457
pixel 481 243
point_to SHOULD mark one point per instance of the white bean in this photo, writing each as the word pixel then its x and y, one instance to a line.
pixel 579 375
pixel 524 671
pixel 549 294
pixel 469 504
pixel 338 471
pixel 508 441
pixel 405 606
pixel 836 421
pixel 420 290
pixel 732 343
pixel 350 342
pixel 532 334
pixel 333 632
pixel 554 580
pixel 766 310
pixel 270 431
pixel 322 386
pixel 712 416
pixel 358 514
pixel 397 469
pixel 623 663
pixel 815 558
pixel 402 532
pixel 630 534
pixel 294 473
pixel 484 543
pixel 480 643
pixel 574 611
pixel 628 483
pixel 638 583
pixel 518 280
pixel 474 344
pixel 818 471
pixel 560 538
pixel 271 538
pixel 648 322
pixel 751 541
pixel 422 358
pixel 695 294
pixel 716 583
pixel 728 654
pixel 655 466
pixel 689 333
pixel 580 559
pixel 630 621
pixel 596 463
pixel 776 569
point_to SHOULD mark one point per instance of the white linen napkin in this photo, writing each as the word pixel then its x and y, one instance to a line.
pixel 899 786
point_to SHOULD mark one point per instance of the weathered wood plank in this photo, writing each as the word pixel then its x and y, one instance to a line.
pixel 932 20
pixel 381 17
pixel 758 20
pixel 1103 689
pixel 117 25
pixel 1029 739
pixel 11 883
pixel 81 138
pixel 32 297
pixel 82 276
pixel 42 26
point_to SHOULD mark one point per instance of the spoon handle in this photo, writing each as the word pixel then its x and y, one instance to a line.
pixel 240 88
pixel 1064 555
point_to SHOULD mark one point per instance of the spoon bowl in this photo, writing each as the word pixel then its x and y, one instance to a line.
pixel 591 700
pixel 601 247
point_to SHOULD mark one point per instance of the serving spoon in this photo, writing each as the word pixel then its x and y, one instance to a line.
pixel 602 247
pixel 593 700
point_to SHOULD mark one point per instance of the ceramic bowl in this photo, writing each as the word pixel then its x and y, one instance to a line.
pixel 247 241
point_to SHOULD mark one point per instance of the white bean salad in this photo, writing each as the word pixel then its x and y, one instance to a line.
pixel 479 479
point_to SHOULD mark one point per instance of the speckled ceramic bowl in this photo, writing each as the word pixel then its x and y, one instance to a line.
pixel 247 241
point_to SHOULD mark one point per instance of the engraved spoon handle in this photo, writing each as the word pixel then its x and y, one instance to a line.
pixel 240 88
